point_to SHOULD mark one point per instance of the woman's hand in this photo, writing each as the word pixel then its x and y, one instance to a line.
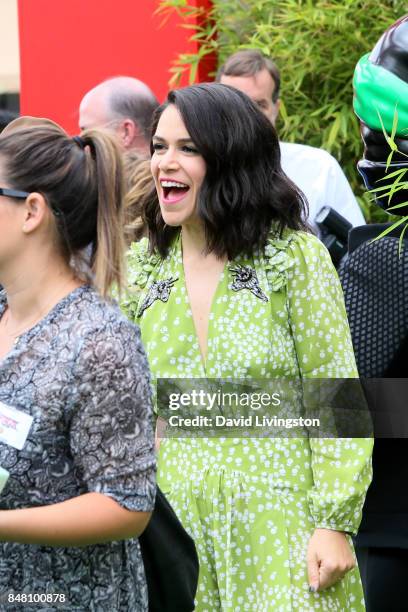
pixel 329 558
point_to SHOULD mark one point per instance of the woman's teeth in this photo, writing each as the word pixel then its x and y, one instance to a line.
pixel 173 191
pixel 173 184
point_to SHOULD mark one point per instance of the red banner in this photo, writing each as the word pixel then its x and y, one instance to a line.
pixel 68 46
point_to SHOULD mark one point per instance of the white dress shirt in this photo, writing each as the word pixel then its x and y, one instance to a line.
pixel 322 181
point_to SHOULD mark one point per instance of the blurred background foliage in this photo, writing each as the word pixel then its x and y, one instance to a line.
pixel 316 45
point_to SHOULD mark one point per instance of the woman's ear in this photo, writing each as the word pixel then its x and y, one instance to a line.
pixel 36 212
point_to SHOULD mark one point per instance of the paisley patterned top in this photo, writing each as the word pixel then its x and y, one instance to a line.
pixel 252 504
pixel 82 374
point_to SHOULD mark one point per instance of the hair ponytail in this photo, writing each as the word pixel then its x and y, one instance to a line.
pixel 109 245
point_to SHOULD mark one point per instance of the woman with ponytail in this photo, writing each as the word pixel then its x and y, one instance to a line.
pixel 76 443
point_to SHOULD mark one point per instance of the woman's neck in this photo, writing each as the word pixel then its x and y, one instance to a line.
pixel 33 291
pixel 195 247
pixel 193 241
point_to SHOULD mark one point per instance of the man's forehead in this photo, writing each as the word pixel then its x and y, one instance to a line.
pixel 94 110
pixel 257 86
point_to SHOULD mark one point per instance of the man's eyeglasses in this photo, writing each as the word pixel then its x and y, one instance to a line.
pixel 14 193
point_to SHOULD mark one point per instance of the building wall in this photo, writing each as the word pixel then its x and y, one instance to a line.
pixel 9 50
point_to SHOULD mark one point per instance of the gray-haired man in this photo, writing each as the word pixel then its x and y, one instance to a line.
pixel 123 104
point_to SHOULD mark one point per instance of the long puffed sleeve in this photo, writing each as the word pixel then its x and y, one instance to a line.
pixel 112 441
pixel 341 466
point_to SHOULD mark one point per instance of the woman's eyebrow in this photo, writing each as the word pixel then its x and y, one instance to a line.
pixel 179 141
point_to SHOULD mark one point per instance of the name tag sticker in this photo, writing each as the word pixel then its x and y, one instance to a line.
pixel 14 426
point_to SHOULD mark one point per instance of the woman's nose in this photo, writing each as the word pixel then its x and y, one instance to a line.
pixel 169 160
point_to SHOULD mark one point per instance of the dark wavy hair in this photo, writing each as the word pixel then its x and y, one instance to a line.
pixel 245 191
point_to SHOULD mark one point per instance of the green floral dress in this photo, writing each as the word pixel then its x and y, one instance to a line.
pixel 251 504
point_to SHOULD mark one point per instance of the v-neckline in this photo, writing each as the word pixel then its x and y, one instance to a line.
pixel 224 273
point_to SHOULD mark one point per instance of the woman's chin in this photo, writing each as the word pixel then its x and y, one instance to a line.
pixel 171 220
pixel 176 218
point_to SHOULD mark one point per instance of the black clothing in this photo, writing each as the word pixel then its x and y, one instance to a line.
pixel 374 277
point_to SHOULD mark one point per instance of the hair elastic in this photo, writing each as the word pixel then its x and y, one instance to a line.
pixel 80 141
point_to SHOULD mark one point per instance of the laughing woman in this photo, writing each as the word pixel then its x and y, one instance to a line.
pixel 229 285
pixel 76 439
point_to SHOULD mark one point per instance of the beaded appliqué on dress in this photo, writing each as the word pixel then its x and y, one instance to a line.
pixel 245 278
pixel 159 290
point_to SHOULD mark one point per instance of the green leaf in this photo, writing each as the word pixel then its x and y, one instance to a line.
pixel 283 111
pixel 394 188
pixel 333 131
pixel 391 228
pixel 386 189
pixel 193 72
pixel 390 140
pixel 398 206
pixel 401 239
pixel 394 123
pixel 400 171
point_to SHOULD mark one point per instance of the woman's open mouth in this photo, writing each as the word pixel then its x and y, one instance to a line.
pixel 173 191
